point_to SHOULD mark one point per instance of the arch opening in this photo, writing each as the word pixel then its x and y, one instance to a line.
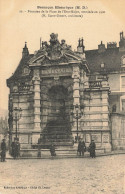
pixel 58 127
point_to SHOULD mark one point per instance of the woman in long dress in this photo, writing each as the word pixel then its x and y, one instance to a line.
pixel 92 148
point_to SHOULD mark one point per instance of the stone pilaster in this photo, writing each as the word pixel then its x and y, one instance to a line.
pixel 76 84
pixel 76 91
pixel 83 97
pixel 106 136
pixel 10 120
pixel 37 113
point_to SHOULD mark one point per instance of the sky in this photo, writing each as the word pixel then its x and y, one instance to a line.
pixel 17 27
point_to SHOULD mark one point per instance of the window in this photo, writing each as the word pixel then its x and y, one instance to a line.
pixel 15 88
pixel 123 61
pixel 114 108
pixel 123 83
pixel 123 104
pixel 25 70
pixel 123 128
pixel 102 65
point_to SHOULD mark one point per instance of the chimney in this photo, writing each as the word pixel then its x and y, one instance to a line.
pixel 80 47
pixel 122 42
pixel 121 35
pixel 101 47
pixel 111 45
pixel 25 52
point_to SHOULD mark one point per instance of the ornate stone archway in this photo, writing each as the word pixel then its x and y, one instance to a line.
pixel 57 79
pixel 58 126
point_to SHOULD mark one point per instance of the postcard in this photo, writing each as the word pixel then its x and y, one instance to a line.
pixel 62 96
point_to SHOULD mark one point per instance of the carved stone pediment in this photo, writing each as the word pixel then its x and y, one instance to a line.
pixel 54 52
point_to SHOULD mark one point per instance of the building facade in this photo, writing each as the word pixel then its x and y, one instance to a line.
pixel 110 61
pixel 64 95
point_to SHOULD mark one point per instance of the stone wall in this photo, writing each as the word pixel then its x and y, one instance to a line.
pixel 114 82
pixel 94 123
pixel 118 131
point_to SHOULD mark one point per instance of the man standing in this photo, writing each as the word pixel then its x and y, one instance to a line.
pixel 83 147
pixel 3 150
pixel 92 147
pixel 79 148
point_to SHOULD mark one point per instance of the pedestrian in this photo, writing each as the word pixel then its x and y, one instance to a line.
pixel 79 151
pixel 52 150
pixel 83 147
pixel 92 147
pixel 3 150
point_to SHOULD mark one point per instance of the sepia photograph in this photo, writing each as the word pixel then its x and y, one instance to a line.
pixel 62 97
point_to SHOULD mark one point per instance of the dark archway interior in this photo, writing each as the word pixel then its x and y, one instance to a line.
pixel 58 128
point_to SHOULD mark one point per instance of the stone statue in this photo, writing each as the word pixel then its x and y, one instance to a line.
pixel 54 39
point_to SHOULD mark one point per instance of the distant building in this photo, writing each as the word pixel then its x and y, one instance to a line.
pixel 66 95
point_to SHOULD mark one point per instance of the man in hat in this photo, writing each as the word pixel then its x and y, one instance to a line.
pixel 83 147
pixel 3 150
pixel 79 148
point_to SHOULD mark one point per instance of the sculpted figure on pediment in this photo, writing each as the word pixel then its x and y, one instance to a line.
pixel 64 45
pixel 54 39
pixel 55 50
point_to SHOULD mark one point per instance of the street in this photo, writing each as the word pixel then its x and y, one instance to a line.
pixel 63 176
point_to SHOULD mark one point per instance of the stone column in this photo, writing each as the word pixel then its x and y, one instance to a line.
pixel 37 113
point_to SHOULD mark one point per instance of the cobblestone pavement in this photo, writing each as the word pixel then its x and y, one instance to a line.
pixel 64 176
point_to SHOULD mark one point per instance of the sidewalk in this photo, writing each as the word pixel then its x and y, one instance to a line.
pixel 86 155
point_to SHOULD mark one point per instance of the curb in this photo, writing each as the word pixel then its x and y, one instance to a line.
pixel 65 156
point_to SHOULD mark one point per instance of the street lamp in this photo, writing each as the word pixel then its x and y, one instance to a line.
pixel 77 115
pixel 17 113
